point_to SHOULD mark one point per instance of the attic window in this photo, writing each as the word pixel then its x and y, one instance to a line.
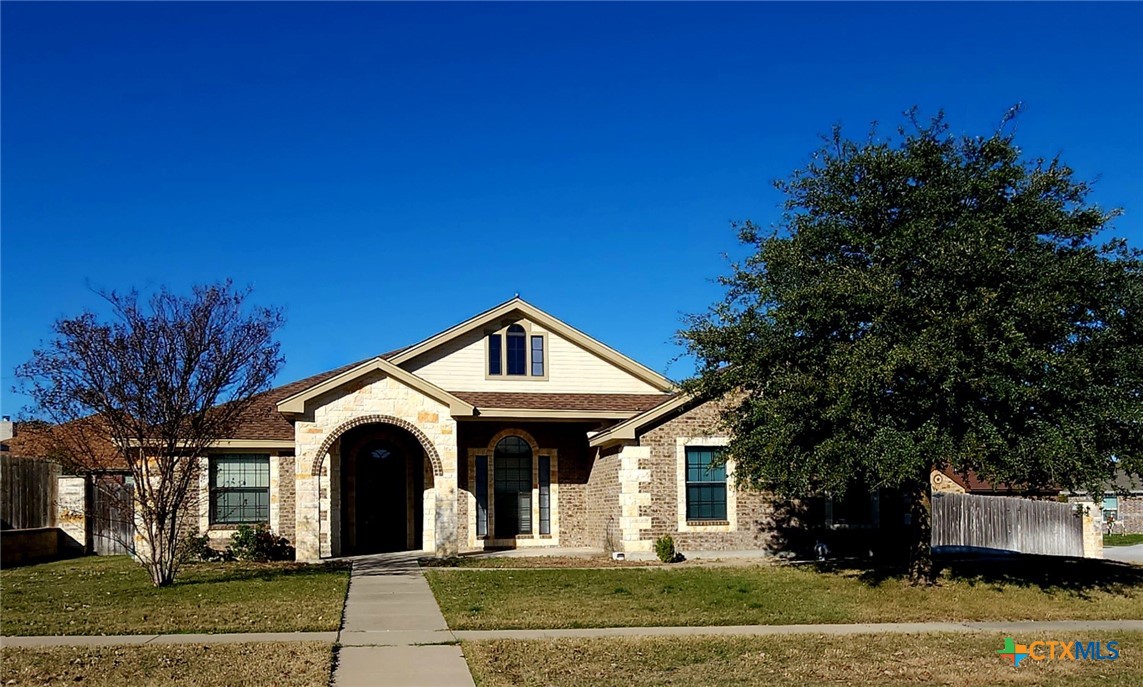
pixel 514 352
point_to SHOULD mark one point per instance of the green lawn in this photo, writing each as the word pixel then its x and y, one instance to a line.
pixel 965 660
pixel 523 599
pixel 283 664
pixel 113 595
pixel 1122 539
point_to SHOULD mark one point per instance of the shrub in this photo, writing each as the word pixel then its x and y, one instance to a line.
pixel 259 544
pixel 665 549
pixel 195 547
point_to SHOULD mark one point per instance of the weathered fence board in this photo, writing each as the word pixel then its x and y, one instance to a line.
pixel 1006 524
pixel 27 492
pixel 112 532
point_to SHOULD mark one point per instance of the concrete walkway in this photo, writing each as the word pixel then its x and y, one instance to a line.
pixel 393 632
pixel 391 638
pixel 1124 554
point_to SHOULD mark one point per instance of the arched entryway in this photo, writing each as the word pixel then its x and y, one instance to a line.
pixel 383 476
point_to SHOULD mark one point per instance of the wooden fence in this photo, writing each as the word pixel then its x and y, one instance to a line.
pixel 1002 524
pixel 28 492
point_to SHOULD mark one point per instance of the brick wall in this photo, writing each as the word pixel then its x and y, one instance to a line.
pixel 286 501
pixel 601 522
pixel 755 526
pixel 1131 513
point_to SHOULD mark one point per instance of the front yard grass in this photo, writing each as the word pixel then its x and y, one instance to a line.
pixel 285 664
pixel 1122 539
pixel 966 660
pixel 113 595
pixel 767 595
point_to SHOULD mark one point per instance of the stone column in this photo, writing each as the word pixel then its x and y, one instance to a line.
pixel 71 512
pixel 307 541
pixel 1092 530
pixel 634 528
pixel 445 534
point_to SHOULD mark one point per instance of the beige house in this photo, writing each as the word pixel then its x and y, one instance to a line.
pixel 511 429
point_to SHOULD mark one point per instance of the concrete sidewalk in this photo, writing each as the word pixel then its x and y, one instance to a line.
pixel 393 632
pixel 1017 627
pixel 113 640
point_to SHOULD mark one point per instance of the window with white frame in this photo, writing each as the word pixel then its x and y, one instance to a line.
pixel 1110 507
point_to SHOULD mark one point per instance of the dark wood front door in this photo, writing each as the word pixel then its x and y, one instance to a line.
pixel 382 498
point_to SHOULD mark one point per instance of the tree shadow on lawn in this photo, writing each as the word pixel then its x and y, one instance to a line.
pixel 875 555
pixel 1077 576
pixel 213 573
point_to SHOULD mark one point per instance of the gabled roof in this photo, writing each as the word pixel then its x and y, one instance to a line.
pixel 296 403
pixel 550 323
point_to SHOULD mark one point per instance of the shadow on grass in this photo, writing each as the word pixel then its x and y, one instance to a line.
pixel 213 573
pixel 1048 573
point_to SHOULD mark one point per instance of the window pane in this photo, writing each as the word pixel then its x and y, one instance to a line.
pixel 512 473
pixel 240 488
pixel 545 469
pixel 494 354
pixel 481 496
pixel 1111 503
pixel 706 484
pixel 517 353
pixel 537 356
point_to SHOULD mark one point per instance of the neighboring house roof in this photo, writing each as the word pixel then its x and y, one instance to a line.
pixel 1123 484
pixel 547 321
pixel 62 442
pixel 973 484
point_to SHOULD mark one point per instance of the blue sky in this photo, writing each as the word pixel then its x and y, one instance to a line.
pixel 384 171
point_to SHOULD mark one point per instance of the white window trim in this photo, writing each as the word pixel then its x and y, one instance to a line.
pixel 731 524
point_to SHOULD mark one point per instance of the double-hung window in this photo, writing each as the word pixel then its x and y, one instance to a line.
pixel 239 489
pixel 706 484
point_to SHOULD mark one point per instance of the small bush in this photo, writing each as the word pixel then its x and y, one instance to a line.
pixel 665 549
pixel 259 544
pixel 195 548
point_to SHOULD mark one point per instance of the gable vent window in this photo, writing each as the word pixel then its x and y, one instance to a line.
pixel 516 352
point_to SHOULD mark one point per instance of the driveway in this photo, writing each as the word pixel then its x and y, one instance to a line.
pixel 1126 554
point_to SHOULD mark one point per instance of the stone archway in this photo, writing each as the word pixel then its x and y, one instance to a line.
pixel 409 427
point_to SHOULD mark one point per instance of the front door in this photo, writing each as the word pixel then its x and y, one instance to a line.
pixel 382 498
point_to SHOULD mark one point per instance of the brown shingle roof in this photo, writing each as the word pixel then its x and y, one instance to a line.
pixel 619 402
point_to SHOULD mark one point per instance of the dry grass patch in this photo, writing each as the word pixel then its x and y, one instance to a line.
pixel 113 595
pixel 965 660
pixel 761 595
pixel 285 664
pixel 522 562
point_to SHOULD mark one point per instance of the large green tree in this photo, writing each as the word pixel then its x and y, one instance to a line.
pixel 928 300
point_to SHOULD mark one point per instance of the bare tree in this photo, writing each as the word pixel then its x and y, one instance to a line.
pixel 152 389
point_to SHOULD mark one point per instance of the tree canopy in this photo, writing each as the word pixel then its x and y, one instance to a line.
pixel 151 389
pixel 928 300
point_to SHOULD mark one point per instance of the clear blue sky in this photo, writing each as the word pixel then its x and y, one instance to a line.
pixel 385 171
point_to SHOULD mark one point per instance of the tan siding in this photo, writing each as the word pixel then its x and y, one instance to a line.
pixel 459 365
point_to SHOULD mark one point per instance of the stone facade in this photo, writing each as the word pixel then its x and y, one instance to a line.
pixel 1131 513
pixel 372 398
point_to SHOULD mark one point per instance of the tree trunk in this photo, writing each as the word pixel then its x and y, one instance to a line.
pixel 920 556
